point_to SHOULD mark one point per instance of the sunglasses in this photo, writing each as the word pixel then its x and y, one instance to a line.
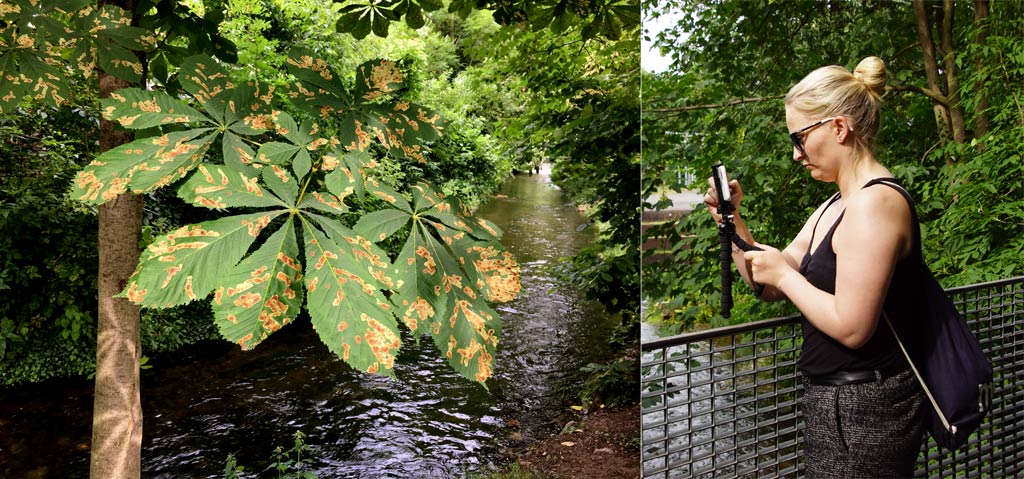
pixel 797 137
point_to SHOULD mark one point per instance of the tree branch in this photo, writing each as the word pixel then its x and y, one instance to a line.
pixel 711 106
pixel 935 96
pixel 956 112
pixel 931 67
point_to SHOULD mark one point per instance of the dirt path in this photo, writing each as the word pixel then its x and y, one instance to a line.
pixel 604 445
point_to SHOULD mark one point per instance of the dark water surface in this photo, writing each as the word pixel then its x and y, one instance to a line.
pixel 212 399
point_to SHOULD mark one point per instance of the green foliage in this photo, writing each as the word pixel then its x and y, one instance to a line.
pixel 976 236
pixel 755 51
pixel 450 265
pixel 47 248
pixel 612 384
pixel 287 464
pixel 605 18
pixel 166 330
pixel 34 42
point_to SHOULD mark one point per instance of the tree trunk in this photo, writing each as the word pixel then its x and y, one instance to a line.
pixel 956 112
pixel 931 66
pixel 980 111
pixel 117 409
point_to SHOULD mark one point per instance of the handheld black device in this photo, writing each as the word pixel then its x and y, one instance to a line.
pixel 727 236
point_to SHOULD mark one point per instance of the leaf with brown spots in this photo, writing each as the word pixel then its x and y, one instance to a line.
pixel 348 175
pixel 104 37
pixel 445 276
pixel 466 330
pixel 301 141
pixel 280 181
pixel 218 187
pixel 152 159
pixel 184 265
pixel 262 293
pixel 400 126
pixel 418 299
pixel 139 109
pixel 210 84
pixel 378 78
pixel 345 305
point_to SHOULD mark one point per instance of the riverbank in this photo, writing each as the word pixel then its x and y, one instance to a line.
pixel 604 444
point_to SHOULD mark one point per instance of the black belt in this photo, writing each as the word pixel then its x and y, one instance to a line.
pixel 842 378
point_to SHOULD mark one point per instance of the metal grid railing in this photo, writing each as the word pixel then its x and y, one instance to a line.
pixel 725 402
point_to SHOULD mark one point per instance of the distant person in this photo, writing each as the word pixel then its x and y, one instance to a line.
pixel 863 407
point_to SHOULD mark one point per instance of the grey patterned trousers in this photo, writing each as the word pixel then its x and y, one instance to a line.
pixel 869 430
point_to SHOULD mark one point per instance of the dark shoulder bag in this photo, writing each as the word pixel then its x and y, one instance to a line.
pixel 953 370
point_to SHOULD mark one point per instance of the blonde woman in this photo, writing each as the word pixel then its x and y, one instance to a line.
pixel 863 407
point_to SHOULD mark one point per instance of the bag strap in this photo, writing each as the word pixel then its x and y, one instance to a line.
pixel 927 391
pixel 892 183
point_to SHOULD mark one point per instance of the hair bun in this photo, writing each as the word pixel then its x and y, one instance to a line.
pixel 871 72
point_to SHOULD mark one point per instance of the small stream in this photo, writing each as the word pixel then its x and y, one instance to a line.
pixel 212 399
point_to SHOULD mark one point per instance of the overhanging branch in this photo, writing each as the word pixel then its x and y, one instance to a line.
pixel 710 106
pixel 928 92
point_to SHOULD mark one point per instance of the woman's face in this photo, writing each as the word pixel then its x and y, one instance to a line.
pixel 818 154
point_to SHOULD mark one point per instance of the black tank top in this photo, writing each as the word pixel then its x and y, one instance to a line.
pixel 823 355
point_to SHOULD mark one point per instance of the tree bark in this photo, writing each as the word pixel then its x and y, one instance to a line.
pixel 956 112
pixel 981 110
pixel 117 410
pixel 117 406
pixel 931 66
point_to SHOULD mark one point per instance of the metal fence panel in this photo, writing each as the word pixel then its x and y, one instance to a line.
pixel 726 402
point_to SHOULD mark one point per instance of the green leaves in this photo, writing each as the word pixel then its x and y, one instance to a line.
pixel 447 271
pixel 288 246
pixel 400 126
pixel 359 19
pixel 185 264
pixel 347 308
pixel 263 292
pixel 607 18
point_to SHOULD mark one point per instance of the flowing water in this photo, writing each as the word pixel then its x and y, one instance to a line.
pixel 212 400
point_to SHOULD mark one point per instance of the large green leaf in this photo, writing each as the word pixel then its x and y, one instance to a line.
pixel 140 109
pixel 348 311
pixel 185 264
pixel 215 186
pixel 466 330
pixel 106 39
pixel 419 297
pixel 445 276
pixel 378 225
pixel 400 126
pixel 156 161
pixel 262 293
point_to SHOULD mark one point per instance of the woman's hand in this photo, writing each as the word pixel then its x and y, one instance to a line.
pixel 768 267
pixel 711 198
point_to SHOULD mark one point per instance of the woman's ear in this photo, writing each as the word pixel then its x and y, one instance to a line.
pixel 842 128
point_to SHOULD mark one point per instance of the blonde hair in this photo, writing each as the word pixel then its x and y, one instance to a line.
pixel 834 91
